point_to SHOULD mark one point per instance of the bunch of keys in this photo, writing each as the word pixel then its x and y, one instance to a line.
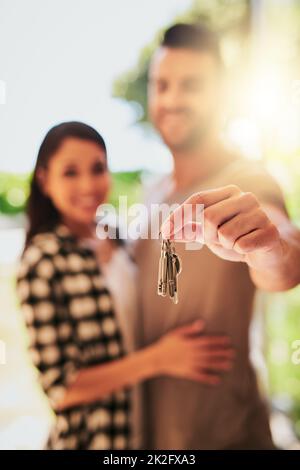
pixel 169 268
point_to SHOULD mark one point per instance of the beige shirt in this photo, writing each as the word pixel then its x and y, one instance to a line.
pixel 181 414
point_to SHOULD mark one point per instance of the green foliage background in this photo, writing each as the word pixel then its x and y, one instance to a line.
pixel 14 190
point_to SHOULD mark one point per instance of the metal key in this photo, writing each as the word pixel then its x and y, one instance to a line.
pixel 169 268
pixel 162 270
pixel 176 267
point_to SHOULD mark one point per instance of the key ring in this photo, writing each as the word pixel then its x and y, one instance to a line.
pixel 169 268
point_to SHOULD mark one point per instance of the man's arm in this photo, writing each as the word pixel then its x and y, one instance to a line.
pixel 237 227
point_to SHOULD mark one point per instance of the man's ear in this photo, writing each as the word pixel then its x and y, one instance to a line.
pixel 41 176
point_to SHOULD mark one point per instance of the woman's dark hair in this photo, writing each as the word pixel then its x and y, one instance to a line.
pixel 42 214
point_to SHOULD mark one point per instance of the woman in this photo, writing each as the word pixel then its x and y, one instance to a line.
pixel 78 311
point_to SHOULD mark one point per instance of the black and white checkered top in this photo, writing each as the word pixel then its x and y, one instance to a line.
pixel 71 324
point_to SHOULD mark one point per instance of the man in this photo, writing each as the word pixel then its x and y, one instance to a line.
pixel 249 243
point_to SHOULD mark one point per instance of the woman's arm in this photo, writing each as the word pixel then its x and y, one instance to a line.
pixel 182 353
pixel 96 382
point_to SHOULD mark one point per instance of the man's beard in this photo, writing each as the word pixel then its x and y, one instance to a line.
pixel 189 143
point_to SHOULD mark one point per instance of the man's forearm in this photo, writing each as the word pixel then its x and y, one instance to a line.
pixel 285 273
pixel 284 276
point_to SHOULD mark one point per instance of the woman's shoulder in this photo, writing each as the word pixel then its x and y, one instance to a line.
pixel 40 254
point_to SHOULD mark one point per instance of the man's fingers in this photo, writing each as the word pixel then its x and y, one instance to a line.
pixel 231 220
pixel 190 232
pixel 239 226
pixel 221 223
pixel 217 215
pixel 212 196
pixel 191 207
pixel 258 240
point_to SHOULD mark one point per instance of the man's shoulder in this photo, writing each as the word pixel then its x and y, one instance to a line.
pixel 242 166
pixel 252 176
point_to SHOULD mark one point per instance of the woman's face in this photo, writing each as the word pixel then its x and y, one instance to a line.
pixel 77 180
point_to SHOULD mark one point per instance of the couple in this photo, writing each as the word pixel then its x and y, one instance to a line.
pixel 113 357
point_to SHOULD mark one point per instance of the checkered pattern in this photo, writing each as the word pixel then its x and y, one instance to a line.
pixel 71 325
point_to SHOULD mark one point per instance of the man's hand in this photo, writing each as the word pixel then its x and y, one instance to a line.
pixel 235 227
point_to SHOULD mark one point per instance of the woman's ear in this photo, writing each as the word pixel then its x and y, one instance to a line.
pixel 41 177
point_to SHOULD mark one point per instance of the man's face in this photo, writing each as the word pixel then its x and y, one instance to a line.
pixel 184 96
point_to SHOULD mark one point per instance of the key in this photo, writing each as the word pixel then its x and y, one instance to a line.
pixel 173 284
pixel 171 272
pixel 162 270
pixel 169 268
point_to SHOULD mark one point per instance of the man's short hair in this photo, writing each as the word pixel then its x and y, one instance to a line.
pixel 194 36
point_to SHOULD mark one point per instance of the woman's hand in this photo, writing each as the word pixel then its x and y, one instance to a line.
pixel 188 353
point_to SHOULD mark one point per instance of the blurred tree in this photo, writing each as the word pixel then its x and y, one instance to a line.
pixel 14 190
pixel 13 193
